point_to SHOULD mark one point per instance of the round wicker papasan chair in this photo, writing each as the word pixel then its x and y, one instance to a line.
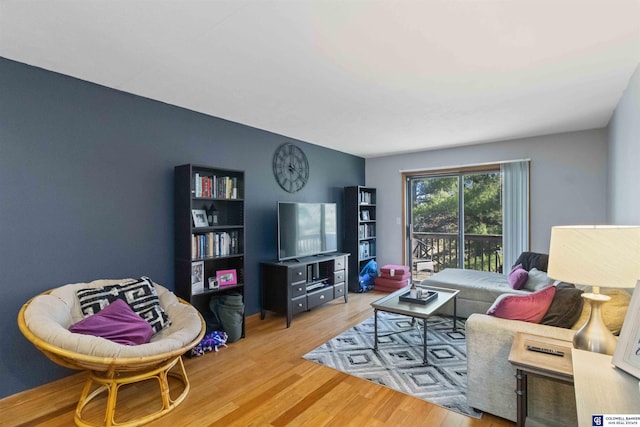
pixel 45 319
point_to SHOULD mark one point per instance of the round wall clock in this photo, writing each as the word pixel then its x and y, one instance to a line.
pixel 290 167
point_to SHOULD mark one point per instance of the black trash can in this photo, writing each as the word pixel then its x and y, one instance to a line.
pixel 230 310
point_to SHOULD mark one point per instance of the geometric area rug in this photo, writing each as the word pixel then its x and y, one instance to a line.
pixel 398 362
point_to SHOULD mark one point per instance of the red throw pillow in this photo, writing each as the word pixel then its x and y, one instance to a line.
pixel 116 322
pixel 518 277
pixel 529 308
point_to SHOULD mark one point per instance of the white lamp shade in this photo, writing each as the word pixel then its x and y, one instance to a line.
pixel 595 255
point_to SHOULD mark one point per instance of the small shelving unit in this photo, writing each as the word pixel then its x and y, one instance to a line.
pixel 209 232
pixel 360 230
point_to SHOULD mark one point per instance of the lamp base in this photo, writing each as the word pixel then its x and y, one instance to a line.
pixel 594 335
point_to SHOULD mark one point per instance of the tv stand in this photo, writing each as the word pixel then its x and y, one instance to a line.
pixel 293 286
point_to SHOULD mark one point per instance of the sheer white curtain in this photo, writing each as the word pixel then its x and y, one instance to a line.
pixel 515 211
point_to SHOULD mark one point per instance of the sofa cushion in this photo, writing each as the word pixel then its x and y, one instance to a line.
pixel 118 323
pixel 537 280
pixel 529 308
pixel 531 260
pixel 565 308
pixel 613 312
pixel 518 277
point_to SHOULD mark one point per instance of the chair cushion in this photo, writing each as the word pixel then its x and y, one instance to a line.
pixel 49 316
pixel 116 322
pixel 140 295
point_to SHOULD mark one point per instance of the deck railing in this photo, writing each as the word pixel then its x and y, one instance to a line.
pixel 481 251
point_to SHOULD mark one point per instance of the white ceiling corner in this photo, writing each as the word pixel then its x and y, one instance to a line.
pixel 368 78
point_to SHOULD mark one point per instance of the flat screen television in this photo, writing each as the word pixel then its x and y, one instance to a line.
pixel 306 229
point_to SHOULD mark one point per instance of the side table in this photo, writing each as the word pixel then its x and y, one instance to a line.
pixel 528 362
pixel 602 388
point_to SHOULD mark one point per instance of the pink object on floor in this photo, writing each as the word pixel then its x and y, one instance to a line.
pixel 389 285
pixel 395 272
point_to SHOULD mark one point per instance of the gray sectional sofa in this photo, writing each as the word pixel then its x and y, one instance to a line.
pixel 478 289
pixel 490 376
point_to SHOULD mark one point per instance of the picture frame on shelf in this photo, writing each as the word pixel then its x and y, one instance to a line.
pixel 197 277
pixel 365 215
pixel 627 353
pixel 213 283
pixel 227 277
pixel 199 218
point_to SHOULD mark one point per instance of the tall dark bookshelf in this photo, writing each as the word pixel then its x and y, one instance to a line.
pixel 216 243
pixel 360 230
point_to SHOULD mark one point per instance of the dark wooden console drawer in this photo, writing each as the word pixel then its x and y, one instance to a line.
pixel 298 289
pixel 320 297
pixel 338 277
pixel 298 274
pixel 338 290
pixel 299 304
pixel 339 263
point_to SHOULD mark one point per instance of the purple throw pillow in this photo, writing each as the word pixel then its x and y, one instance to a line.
pixel 529 308
pixel 116 322
pixel 518 277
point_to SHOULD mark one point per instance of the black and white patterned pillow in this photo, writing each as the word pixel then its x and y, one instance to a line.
pixel 140 295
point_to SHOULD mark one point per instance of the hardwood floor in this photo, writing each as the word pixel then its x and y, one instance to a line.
pixel 260 380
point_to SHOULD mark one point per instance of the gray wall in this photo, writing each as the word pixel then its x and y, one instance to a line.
pixel 568 182
pixel 624 157
pixel 86 192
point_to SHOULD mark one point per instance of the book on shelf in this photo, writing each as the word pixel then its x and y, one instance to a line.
pixel 366 231
pixel 365 197
pixel 234 188
pixel 217 187
pixel 370 230
pixel 364 250
pixel 197 182
pixel 215 244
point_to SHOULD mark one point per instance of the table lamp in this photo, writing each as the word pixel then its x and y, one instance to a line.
pixel 597 256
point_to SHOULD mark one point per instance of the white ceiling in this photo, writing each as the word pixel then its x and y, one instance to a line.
pixel 366 77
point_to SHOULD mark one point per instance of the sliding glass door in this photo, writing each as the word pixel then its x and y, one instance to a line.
pixel 454 220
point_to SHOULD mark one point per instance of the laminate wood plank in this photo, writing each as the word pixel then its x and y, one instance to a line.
pixel 308 401
pixel 385 409
pixel 31 404
pixel 261 380
pixel 246 407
